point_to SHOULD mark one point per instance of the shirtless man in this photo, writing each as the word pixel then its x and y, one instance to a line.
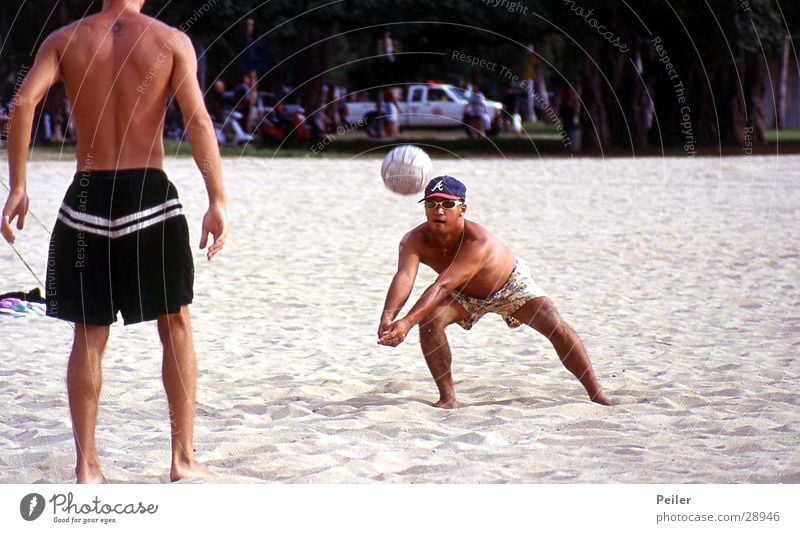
pixel 478 274
pixel 121 241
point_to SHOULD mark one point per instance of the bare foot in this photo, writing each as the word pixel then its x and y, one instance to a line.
pixel 603 399
pixel 188 470
pixel 447 404
pixel 90 476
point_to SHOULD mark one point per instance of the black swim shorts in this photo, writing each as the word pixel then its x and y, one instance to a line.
pixel 120 244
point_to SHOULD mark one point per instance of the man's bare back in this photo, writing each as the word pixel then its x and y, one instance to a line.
pixel 102 59
pixel 119 68
pixel 99 56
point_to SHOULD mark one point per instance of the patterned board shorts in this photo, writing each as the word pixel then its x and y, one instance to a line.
pixel 518 290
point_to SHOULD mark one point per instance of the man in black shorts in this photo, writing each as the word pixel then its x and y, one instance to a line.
pixel 120 243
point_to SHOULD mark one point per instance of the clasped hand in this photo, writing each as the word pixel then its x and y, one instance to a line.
pixel 393 334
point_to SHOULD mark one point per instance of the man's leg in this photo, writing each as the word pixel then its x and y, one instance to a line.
pixel 84 380
pixel 436 350
pixel 179 373
pixel 541 315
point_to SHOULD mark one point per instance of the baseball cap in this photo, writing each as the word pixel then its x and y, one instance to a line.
pixel 445 187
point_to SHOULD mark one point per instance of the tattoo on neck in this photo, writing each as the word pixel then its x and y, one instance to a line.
pixel 116 28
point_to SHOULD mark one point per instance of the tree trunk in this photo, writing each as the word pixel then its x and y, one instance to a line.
pixel 642 101
pixel 311 63
pixel 755 90
pixel 594 114
pixel 780 120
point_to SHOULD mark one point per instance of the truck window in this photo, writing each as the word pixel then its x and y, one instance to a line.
pixel 437 95
pixel 460 93
pixel 416 94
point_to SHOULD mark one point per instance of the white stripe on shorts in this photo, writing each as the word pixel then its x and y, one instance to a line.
pixel 113 234
pixel 121 221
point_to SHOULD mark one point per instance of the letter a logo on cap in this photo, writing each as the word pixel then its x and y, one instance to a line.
pixel 446 187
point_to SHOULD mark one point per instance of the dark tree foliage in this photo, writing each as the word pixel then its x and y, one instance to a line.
pixel 679 73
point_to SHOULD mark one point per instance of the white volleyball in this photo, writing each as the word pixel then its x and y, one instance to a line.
pixel 406 169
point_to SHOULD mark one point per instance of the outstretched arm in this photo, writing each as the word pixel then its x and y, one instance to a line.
pixel 200 131
pixel 463 268
pixel 42 76
pixel 402 283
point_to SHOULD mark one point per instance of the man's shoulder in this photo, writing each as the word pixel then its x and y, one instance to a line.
pixel 179 42
pixel 416 241
pixel 63 35
pixel 414 237
pixel 141 23
pixel 476 233
pixel 480 241
pixel 159 29
pixel 155 23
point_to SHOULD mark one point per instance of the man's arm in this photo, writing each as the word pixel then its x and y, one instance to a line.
pixel 200 131
pixel 42 76
pixel 463 268
pixel 402 283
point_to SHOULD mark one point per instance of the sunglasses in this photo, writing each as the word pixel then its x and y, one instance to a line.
pixel 445 204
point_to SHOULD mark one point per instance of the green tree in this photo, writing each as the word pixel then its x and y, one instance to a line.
pixel 631 98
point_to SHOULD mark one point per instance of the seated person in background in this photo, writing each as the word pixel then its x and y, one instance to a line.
pixel 279 123
pixel 226 120
pixel 215 102
pixel 244 98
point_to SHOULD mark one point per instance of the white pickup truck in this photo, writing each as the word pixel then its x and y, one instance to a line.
pixel 431 105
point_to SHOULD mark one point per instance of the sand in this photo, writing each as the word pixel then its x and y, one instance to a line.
pixel 681 276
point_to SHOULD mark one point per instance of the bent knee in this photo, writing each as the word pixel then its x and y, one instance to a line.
pixel 435 322
pixel 541 314
pixel 544 308
pixel 432 325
